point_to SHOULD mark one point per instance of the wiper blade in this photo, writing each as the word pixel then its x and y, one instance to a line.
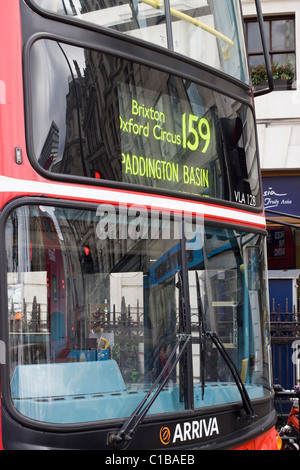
pixel 250 415
pixel 123 438
pixel 201 335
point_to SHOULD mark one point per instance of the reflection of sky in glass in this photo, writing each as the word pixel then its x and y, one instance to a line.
pixel 209 31
pixel 282 35
pixel 60 6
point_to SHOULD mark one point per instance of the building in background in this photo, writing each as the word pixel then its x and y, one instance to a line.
pixel 278 117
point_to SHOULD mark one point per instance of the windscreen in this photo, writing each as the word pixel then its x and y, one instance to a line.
pixel 95 308
pixel 209 31
pixel 100 117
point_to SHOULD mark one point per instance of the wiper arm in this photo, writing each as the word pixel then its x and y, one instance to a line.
pixel 123 438
pixel 201 335
pixel 250 415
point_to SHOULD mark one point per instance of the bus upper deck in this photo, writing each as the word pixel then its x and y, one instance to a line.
pixel 134 293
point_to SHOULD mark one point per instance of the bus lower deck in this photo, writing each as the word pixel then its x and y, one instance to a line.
pixel 134 291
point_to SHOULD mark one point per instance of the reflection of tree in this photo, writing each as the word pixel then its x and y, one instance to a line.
pixel 35 316
pixel 126 347
pixel 125 353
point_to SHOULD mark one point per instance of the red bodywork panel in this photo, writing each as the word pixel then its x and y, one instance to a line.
pixel 266 441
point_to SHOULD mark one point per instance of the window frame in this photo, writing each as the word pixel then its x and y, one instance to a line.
pixel 218 85
pixel 268 21
pixel 4 325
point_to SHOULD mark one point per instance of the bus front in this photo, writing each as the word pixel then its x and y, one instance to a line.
pixel 134 292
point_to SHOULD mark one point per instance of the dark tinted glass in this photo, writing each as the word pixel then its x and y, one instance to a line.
pixel 98 116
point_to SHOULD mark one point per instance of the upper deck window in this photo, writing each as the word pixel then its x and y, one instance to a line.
pixel 209 31
pixel 94 115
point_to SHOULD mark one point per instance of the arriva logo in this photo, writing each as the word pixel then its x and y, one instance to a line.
pixel 190 431
pixel 165 435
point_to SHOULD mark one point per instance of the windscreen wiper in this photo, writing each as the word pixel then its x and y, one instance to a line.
pixel 249 412
pixel 123 438
pixel 201 335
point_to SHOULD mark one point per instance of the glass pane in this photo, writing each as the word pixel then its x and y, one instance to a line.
pixel 95 309
pixel 212 33
pixel 229 297
pixel 283 35
pixel 101 117
pixel 256 60
pixel 199 26
pixel 254 37
pixel 284 59
pixel 140 19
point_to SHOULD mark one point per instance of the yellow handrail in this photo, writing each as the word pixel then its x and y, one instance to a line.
pixel 199 24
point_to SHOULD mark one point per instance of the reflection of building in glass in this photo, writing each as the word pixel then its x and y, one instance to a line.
pixel 50 149
pixel 69 7
pixel 125 122
pixel 102 116
pixel 93 106
pixel 92 117
pixel 73 161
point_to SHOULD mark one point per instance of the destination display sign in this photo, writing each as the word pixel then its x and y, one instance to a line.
pixel 167 142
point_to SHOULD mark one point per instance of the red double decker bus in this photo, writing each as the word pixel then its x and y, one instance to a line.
pixel 134 311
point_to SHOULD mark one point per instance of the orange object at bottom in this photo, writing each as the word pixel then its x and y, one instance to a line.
pixel 270 440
